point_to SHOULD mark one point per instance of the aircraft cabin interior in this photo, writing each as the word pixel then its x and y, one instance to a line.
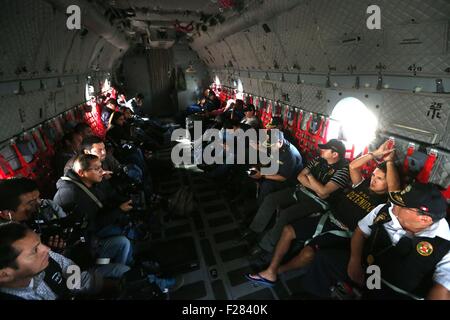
pixel 224 150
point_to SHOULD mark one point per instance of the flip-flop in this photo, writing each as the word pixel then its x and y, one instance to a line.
pixel 260 280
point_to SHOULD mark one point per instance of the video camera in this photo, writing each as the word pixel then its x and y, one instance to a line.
pixel 70 229
pixel 129 188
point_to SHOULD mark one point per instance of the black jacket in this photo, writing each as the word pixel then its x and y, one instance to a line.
pixel 76 202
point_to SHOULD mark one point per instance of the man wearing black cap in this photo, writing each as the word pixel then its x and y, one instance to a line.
pixel 251 120
pixel 289 165
pixel 409 240
pixel 318 181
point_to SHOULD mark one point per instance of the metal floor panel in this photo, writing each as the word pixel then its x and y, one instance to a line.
pixel 222 259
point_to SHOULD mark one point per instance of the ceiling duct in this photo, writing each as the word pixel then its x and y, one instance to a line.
pixel 246 20
pixel 160 38
pixel 94 21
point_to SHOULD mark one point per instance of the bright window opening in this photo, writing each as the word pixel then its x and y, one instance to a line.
pixel 240 90
pixel 217 81
pixel 106 86
pixel 352 122
pixel 90 90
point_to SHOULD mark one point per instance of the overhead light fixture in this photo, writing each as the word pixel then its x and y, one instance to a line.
pixel 379 82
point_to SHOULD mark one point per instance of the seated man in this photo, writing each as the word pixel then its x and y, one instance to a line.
pixel 83 129
pixel 251 120
pixel 95 145
pixel 289 166
pixel 334 228
pixel 78 195
pixel 408 240
pixel 110 107
pixel 136 104
pixel 321 178
pixel 70 145
pixel 29 270
pixel 20 202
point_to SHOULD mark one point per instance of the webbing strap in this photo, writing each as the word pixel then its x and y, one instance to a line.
pixel 446 193
pixel 401 291
pixel 409 153
pixel 321 202
pixel 339 233
pixel 86 190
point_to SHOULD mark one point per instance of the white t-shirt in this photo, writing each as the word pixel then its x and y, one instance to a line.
pixel 396 232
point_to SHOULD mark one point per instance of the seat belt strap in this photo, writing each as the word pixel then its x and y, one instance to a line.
pixel 86 190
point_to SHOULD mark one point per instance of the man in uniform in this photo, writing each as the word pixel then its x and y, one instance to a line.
pixel 408 241
pixel 335 227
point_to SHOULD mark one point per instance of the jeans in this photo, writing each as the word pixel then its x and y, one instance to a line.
pixel 112 270
pixel 117 248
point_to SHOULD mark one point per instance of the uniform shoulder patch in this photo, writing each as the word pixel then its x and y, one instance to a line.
pixel 424 248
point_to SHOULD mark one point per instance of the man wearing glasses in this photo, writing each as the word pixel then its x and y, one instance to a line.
pixel 407 239
pixel 79 195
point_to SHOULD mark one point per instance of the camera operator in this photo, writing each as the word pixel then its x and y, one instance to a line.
pixel 20 202
pixel 79 193
pixel 145 132
pixel 119 136
pixel 29 270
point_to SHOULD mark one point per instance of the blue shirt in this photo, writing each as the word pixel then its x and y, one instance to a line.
pixel 290 162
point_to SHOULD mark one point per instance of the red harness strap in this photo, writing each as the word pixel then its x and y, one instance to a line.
pixel 409 153
pixel 6 171
pixel 446 193
pixel 424 174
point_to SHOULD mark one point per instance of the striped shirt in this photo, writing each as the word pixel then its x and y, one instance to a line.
pixel 324 172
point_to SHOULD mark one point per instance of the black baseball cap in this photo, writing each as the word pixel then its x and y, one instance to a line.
pixel 335 145
pixel 249 107
pixel 275 122
pixel 425 197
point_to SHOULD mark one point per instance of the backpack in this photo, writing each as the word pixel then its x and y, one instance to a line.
pixel 182 203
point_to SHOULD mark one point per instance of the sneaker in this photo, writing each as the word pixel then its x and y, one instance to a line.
pixel 167 284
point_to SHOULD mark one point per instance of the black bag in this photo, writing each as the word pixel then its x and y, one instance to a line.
pixel 136 286
pixel 182 203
